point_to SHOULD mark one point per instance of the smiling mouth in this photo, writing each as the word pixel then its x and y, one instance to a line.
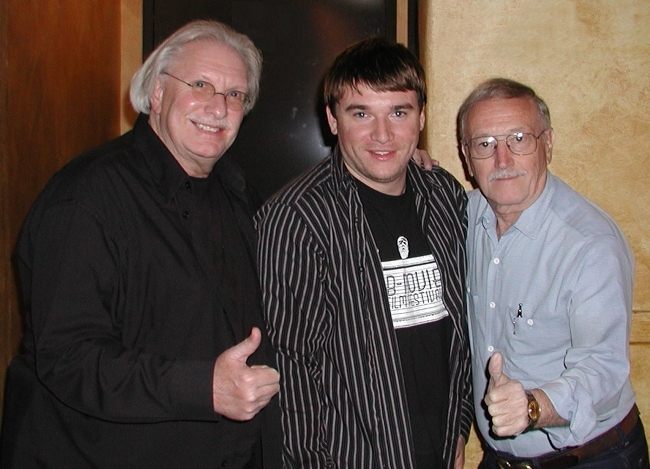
pixel 381 153
pixel 207 128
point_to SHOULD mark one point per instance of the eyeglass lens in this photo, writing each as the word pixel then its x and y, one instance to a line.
pixel 520 143
pixel 204 91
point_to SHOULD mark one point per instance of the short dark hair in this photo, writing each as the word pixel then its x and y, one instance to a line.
pixel 378 63
pixel 500 88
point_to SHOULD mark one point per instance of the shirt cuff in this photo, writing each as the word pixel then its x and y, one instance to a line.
pixel 190 390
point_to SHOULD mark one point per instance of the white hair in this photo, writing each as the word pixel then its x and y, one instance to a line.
pixel 144 80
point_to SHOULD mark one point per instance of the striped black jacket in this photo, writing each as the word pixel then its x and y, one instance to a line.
pixel 327 312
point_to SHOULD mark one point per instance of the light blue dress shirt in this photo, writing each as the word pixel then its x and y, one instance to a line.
pixel 567 265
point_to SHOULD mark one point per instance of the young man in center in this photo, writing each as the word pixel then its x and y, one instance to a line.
pixel 362 262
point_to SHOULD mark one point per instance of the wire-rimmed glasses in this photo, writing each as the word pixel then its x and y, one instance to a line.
pixel 519 143
pixel 204 91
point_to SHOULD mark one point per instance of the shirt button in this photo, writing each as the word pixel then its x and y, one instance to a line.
pixel 186 214
pixel 530 322
pixel 496 260
pixel 490 349
pixel 224 463
pixel 187 185
pixel 492 304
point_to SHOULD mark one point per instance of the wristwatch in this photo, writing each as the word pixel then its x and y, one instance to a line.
pixel 533 410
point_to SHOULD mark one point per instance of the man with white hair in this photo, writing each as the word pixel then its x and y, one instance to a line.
pixel 143 345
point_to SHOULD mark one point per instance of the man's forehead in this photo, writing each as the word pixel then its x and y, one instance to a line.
pixel 511 114
pixel 207 52
pixel 364 96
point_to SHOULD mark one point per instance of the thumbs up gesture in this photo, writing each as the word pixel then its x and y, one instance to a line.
pixel 240 391
pixel 506 400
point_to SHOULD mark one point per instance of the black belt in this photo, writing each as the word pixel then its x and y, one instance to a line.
pixel 573 456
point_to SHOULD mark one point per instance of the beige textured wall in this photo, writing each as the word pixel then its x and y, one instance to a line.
pixel 590 61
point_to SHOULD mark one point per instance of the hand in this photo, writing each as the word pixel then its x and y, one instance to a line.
pixel 459 461
pixel 506 400
pixel 240 391
pixel 422 159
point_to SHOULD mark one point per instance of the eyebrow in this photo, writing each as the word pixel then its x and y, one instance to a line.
pixel 363 107
pixel 509 132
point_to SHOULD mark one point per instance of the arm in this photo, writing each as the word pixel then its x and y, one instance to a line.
pixel 467 402
pixel 292 276
pixel 596 367
pixel 508 404
pixel 76 292
pixel 597 363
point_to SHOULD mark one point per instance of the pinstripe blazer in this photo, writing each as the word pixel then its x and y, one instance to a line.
pixel 327 312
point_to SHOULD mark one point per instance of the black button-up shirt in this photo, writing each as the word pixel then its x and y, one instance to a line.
pixel 135 278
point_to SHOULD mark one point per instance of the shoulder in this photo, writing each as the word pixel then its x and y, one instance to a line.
pixel 579 213
pixel 313 186
pixel 90 181
pixel 317 202
pixel 92 169
pixel 437 178
pixel 586 227
pixel 438 185
pixel 475 200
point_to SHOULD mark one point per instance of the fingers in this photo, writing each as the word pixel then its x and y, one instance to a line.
pixel 494 395
pixel 495 368
pixel 240 391
pixel 246 347
pixel 424 160
pixel 506 400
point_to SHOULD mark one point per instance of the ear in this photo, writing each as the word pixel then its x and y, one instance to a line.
pixel 422 119
pixel 548 145
pixel 156 96
pixel 331 120
pixel 468 160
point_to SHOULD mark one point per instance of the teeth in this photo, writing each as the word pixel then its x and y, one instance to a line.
pixel 207 127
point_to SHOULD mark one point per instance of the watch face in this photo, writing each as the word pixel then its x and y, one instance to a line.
pixel 533 409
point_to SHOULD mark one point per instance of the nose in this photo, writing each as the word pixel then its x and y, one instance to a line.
pixel 217 105
pixel 502 156
pixel 382 132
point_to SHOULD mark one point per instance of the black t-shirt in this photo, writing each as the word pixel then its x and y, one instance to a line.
pixel 424 348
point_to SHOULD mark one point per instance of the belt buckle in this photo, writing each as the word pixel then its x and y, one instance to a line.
pixel 503 464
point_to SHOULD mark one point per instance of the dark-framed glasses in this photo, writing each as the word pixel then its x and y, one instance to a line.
pixel 519 143
pixel 204 91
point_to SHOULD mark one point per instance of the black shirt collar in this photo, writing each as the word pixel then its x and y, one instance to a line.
pixel 168 173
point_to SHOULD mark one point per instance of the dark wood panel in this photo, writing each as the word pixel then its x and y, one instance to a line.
pixel 62 97
pixel 7 290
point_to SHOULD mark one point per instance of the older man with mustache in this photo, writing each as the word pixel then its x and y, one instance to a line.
pixel 549 299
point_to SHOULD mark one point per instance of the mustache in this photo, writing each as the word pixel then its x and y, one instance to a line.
pixel 505 174
pixel 221 123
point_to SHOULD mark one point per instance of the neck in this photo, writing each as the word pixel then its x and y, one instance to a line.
pixel 505 218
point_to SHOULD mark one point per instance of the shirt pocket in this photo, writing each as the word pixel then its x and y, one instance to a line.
pixel 535 332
